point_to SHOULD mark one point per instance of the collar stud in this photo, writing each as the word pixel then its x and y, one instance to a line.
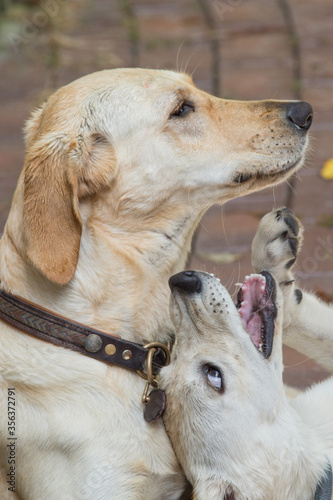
pixel 93 343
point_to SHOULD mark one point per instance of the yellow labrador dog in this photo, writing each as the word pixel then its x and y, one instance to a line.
pixel 234 431
pixel 120 167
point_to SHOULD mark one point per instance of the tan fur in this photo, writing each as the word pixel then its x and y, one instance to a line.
pixel 111 192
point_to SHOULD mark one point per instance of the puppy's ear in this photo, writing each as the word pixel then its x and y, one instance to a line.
pixel 52 222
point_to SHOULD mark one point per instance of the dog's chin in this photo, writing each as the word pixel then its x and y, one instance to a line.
pixel 286 171
pixel 260 177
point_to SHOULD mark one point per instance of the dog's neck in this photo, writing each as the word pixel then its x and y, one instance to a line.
pixel 298 460
pixel 287 461
pixel 121 282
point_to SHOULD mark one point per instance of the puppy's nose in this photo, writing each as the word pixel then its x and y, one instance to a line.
pixel 188 281
pixel 300 114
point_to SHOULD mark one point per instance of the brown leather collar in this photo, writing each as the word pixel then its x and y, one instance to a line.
pixel 46 325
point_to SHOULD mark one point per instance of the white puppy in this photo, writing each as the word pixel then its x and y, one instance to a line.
pixel 233 429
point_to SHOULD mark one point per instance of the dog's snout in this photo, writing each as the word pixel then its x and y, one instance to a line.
pixel 187 281
pixel 300 114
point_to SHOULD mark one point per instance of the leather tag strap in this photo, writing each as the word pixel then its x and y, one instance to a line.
pixel 51 327
pixel 324 486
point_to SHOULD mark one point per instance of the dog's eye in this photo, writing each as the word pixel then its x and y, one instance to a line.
pixel 214 377
pixel 183 109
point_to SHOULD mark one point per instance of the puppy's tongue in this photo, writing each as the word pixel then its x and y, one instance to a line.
pixel 256 306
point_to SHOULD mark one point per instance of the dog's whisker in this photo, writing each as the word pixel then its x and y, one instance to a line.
pixel 202 225
pixel 292 188
pixel 178 54
pixel 299 363
pixel 188 61
pixel 274 196
pixel 235 291
pixel 223 226
pixel 195 69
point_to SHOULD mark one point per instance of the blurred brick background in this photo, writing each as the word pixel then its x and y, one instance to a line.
pixel 237 49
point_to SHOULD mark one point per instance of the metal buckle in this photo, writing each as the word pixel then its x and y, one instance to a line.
pixel 149 376
pixel 153 346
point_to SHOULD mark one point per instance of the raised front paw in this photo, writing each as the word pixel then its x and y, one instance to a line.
pixel 276 244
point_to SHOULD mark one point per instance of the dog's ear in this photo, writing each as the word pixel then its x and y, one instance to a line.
pixel 94 162
pixel 58 172
pixel 32 126
pixel 52 222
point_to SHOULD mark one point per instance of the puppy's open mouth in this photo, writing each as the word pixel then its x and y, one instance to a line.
pixel 256 306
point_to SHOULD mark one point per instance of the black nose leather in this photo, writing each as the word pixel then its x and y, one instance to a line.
pixel 300 114
pixel 188 281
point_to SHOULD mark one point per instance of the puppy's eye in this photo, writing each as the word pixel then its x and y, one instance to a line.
pixel 214 377
pixel 183 109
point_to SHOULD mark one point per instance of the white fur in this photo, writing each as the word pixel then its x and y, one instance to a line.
pixel 250 441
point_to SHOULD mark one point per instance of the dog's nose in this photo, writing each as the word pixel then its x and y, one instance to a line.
pixel 188 281
pixel 300 114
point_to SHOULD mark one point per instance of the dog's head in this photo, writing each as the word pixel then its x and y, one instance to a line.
pixel 140 145
pixel 224 387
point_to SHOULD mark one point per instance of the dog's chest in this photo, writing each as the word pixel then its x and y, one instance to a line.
pixel 83 437
pixel 108 458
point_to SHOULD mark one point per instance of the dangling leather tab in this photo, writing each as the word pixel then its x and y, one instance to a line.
pixel 154 405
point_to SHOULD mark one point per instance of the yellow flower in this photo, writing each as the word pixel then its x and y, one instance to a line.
pixel 327 170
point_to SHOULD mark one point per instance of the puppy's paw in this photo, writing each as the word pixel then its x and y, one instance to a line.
pixel 277 243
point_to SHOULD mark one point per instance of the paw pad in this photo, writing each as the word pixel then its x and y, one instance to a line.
pixel 289 219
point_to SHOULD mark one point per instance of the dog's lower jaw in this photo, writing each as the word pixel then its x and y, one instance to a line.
pixel 276 176
pixel 280 171
pixel 289 170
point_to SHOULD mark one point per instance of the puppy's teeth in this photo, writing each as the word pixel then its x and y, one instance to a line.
pixel 260 347
pixel 238 284
pixel 212 275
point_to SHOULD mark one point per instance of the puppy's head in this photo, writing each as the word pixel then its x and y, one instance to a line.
pixel 224 387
